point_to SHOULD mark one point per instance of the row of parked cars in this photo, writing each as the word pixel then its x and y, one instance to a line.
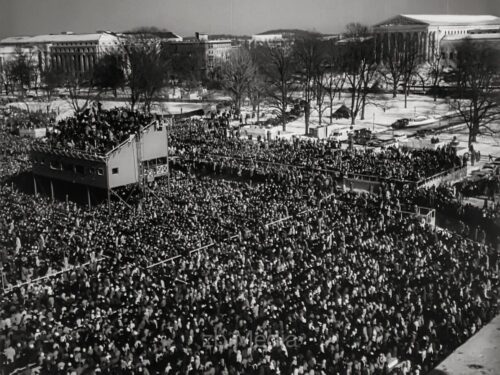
pixel 492 168
pixel 364 137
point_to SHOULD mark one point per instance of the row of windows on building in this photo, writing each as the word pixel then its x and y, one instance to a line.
pixel 449 55
pixel 57 165
pixel 73 50
pixel 76 44
pixel 73 168
pixel 455 32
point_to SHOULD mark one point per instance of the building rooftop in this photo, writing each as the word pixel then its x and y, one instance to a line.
pixel 52 38
pixel 482 36
pixel 192 40
pixel 168 35
pixel 442 20
pixel 454 19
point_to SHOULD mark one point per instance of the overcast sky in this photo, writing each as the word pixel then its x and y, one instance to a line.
pixel 184 17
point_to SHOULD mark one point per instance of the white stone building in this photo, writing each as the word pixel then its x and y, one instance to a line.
pixel 425 32
pixel 67 51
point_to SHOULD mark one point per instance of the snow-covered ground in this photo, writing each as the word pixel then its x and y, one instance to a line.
pixel 64 109
pixel 383 110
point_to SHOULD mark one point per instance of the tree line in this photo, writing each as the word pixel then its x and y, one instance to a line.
pixel 315 71
pixel 140 66
pixel 311 71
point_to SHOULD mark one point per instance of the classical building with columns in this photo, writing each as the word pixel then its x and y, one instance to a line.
pixel 450 44
pixel 425 33
pixel 67 52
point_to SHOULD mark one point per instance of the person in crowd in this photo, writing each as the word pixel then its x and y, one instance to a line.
pixel 252 261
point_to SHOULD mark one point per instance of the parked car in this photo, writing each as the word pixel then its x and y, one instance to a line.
pixel 362 136
pixel 489 166
pixel 492 168
pixel 340 135
pixel 401 123
pixel 374 143
pixel 423 132
pixel 479 173
pixel 420 118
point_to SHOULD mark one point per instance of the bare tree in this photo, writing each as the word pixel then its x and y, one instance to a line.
pixel 237 74
pixel 20 75
pixel 399 64
pixel 8 78
pixel 409 67
pixel 80 90
pixel 278 66
pixel 146 68
pixel 310 56
pixel 422 73
pixel 359 66
pixel 51 78
pixel 435 72
pixel 392 71
pixel 186 66
pixel 477 74
pixel 321 80
pixel 334 76
pixel 430 72
pixel 256 92
pixel 155 77
pixel 392 65
pixel 22 72
pixel 356 30
pixel 108 72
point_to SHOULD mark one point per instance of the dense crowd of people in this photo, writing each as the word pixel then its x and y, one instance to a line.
pixel 18 118
pixel 14 154
pixel 285 274
pixel 488 186
pixel 95 130
pixel 42 234
pixel 349 285
pixel 391 163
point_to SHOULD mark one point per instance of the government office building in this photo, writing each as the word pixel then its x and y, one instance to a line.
pixel 433 35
